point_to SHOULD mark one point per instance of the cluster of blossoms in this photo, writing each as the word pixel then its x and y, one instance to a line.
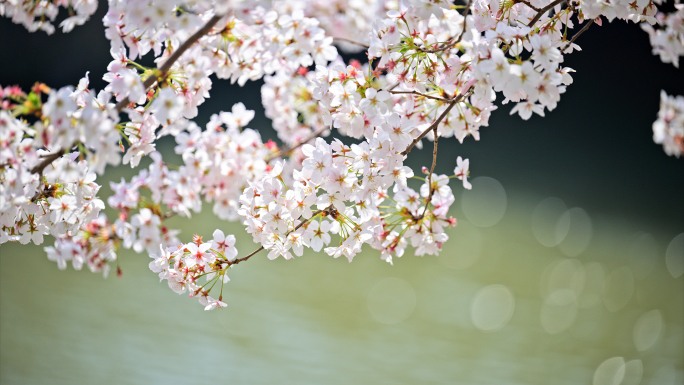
pixel 349 21
pixel 435 70
pixel 146 194
pixel 59 204
pixel 63 204
pixel 493 50
pixel 288 101
pixel 183 267
pixel 249 45
pixel 259 42
pixel 93 244
pixel 280 215
pixel 70 120
pixel 45 188
pixel 669 128
pixel 39 15
pixel 218 163
pixel 668 41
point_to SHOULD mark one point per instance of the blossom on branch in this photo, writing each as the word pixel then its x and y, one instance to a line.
pixel 435 70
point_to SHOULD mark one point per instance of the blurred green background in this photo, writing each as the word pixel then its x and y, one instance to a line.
pixel 530 289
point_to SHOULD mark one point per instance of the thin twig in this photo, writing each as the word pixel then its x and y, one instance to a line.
pixel 47 160
pixel 542 11
pixel 295 146
pixel 528 4
pixel 248 256
pixel 434 127
pixel 235 262
pixel 434 124
pixel 575 36
pixel 41 193
pixel 390 88
pixel 172 59
pixel 351 41
pixel 168 214
pixel 432 169
pixel 420 94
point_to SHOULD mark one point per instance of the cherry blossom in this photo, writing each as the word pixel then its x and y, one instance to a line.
pixel 668 130
pixel 434 71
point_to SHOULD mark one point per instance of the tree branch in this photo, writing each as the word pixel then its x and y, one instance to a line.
pixel 248 256
pixel 235 262
pixel 528 4
pixel 366 46
pixel 434 124
pixel 419 94
pixel 47 160
pixel 575 36
pixel 172 59
pixel 390 88
pixel 542 11
pixel 432 169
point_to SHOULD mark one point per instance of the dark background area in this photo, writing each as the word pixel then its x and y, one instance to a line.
pixel 595 150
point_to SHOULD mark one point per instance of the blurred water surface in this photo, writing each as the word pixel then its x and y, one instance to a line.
pixel 596 305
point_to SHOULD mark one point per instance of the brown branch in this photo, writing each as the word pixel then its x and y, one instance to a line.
pixel 458 39
pixel 168 214
pixel 542 11
pixel 47 160
pixel 248 256
pixel 366 46
pixel 393 86
pixel 172 59
pixel 235 262
pixel 295 146
pixel 432 169
pixel 528 4
pixel 433 126
pixel 575 36
pixel 45 192
pixel 434 160
pixel 420 94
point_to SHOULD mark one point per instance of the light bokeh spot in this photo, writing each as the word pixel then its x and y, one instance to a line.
pixel 634 370
pixel 618 289
pixel 549 225
pixel 579 233
pixel 647 330
pixel 667 375
pixel 674 256
pixel 565 282
pixel 391 300
pixel 610 372
pixel 465 246
pixel 485 204
pixel 492 307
